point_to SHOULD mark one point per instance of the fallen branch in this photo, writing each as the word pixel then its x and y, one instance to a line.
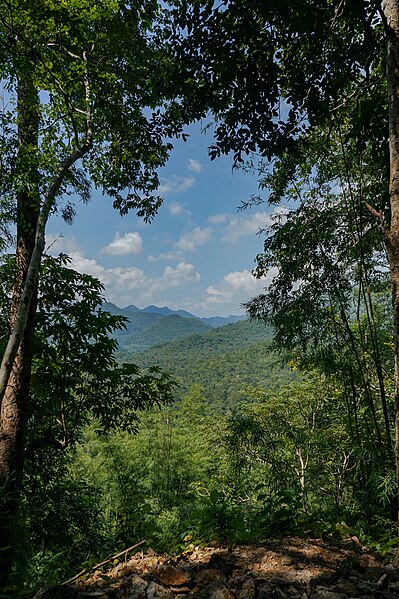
pixel 110 559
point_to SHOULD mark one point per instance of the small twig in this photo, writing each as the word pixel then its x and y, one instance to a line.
pixel 60 236
pixel 87 570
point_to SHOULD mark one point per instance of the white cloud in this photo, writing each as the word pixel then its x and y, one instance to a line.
pixel 216 296
pixel 237 226
pixel 189 240
pixel 217 219
pixel 175 184
pixel 183 273
pixel 58 244
pixel 244 281
pixel 194 165
pixel 169 256
pixel 130 243
pixel 241 226
pixel 175 208
pixel 121 282
pixel 235 289
pixel 239 286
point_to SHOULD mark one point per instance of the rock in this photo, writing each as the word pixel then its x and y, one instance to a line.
pixel 57 592
pixel 346 587
pixel 122 571
pixel 135 587
pixel 224 563
pixel 155 591
pixel 100 581
pixel 252 572
pixel 392 572
pixel 99 594
pixel 322 593
pixel 368 561
pixel 285 560
pixel 383 581
pixel 364 585
pixel 303 576
pixel 279 581
pixel 324 579
pixel 248 589
pixel 373 574
pixel 294 592
pixel 264 593
pixel 207 577
pixel 216 590
pixel 117 569
pixel 170 576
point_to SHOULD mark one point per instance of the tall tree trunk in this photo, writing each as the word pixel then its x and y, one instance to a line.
pixel 391 10
pixel 14 407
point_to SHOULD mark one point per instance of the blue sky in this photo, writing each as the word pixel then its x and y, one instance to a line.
pixel 196 255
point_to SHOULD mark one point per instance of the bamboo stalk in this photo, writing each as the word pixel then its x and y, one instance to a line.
pixel 87 570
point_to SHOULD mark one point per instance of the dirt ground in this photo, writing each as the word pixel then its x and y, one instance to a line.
pixel 283 569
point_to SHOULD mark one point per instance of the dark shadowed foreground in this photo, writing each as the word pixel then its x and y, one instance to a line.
pixel 290 568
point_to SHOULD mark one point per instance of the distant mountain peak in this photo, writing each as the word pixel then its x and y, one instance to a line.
pixel 165 311
pixel 132 308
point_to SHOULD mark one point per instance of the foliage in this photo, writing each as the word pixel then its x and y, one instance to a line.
pixel 298 92
pixel 112 48
pixel 329 302
pixel 281 462
pixel 301 84
pixel 75 379
pixel 75 374
pixel 272 72
pixel 300 439
pixel 152 479
pixel 62 520
pixel 162 331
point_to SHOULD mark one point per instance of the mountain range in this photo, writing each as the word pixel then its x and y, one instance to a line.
pixel 223 360
pixel 155 326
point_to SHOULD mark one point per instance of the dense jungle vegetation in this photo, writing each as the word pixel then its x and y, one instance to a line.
pixel 233 435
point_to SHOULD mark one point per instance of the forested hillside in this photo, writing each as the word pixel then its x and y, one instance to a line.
pixel 224 361
pixel 161 331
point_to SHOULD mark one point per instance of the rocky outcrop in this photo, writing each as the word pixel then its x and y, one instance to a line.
pixel 289 569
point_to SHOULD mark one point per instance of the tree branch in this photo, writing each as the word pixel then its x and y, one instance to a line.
pixel 377 213
pixel 17 333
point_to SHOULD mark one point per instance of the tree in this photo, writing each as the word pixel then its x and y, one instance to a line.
pixel 85 106
pixel 280 76
pixel 329 300
pixel 75 377
pixel 299 437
